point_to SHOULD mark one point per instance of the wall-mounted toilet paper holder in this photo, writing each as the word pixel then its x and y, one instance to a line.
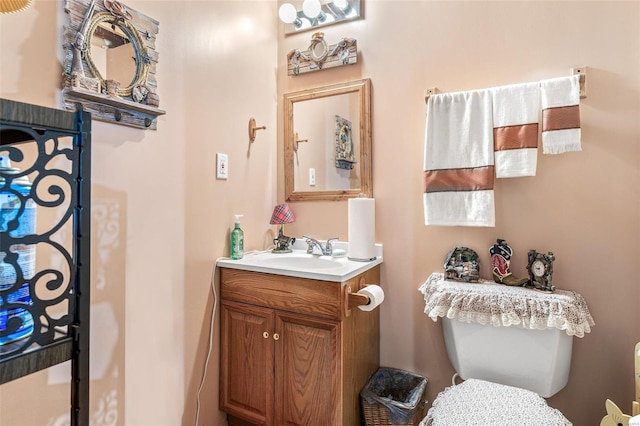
pixel 352 300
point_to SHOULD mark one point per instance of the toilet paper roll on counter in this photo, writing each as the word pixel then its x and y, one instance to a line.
pixel 362 229
pixel 375 295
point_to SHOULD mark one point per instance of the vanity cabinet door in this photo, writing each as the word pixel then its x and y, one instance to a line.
pixel 247 359
pixel 290 354
pixel 308 371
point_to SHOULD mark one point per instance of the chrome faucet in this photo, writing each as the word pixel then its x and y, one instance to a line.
pixel 327 250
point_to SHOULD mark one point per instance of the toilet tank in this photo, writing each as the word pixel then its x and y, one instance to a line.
pixel 537 360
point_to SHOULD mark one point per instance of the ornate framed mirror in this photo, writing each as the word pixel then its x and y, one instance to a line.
pixel 327 142
pixel 116 40
pixel 110 63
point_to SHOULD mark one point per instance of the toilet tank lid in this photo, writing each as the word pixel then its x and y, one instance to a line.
pixel 489 303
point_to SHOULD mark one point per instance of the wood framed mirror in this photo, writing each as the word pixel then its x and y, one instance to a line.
pixel 327 142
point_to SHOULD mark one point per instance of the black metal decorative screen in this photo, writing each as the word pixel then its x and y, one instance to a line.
pixel 44 244
pixel 37 297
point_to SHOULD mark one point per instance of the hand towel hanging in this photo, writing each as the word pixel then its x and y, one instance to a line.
pixel 459 160
pixel 515 129
pixel 560 103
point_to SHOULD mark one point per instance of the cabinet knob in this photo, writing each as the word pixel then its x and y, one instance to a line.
pixel 265 334
pixel 276 336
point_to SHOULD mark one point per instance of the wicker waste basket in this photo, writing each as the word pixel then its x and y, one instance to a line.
pixel 393 397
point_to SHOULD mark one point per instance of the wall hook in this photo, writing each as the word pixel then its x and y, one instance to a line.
pixel 253 128
pixel 297 140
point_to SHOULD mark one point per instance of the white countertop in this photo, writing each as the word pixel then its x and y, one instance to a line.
pixel 302 265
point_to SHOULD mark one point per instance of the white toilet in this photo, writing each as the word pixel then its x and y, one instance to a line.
pixel 511 346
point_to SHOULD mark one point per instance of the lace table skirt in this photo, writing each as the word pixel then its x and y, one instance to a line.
pixel 487 302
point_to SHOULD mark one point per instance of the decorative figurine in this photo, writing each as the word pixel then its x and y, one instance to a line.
pixel 462 264
pixel 283 243
pixel 282 215
pixel 345 153
pixel 500 260
pixel 112 88
pixel 540 269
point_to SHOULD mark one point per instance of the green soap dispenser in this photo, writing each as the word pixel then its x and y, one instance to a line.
pixel 237 240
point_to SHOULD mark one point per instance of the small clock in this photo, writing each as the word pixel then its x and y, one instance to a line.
pixel 540 269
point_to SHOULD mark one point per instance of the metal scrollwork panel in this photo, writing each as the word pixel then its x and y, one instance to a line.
pixel 39 198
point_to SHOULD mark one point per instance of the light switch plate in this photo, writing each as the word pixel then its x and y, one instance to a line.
pixel 222 166
pixel 312 176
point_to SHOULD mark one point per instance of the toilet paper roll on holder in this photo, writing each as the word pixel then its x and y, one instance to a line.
pixel 353 300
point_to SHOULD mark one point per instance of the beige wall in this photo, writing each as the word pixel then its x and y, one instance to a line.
pixel 167 217
pixel 582 206
pixel 230 79
pixel 220 63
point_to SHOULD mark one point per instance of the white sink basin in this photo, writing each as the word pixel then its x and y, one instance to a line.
pixel 302 265
pixel 301 261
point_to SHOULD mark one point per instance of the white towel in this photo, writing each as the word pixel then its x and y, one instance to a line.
pixel 459 161
pixel 515 129
pixel 560 103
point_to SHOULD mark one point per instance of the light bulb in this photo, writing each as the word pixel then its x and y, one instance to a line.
pixel 328 18
pixel 311 8
pixel 304 24
pixel 322 17
pixel 287 13
pixel 341 4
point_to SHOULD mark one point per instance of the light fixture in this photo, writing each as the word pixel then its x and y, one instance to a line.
pixel 328 19
pixel 341 4
pixel 316 13
pixel 312 8
pixel 11 6
pixel 282 214
pixel 304 24
pixel 289 15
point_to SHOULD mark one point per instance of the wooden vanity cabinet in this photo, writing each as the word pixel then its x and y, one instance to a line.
pixel 290 352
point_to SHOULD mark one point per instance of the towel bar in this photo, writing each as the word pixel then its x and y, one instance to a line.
pixel 430 92
pixel 581 71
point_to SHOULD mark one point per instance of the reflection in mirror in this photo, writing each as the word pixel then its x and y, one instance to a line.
pixel 113 54
pixel 334 162
pixel 321 121
pixel 123 46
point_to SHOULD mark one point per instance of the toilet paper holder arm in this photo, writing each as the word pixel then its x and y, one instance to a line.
pixel 352 300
